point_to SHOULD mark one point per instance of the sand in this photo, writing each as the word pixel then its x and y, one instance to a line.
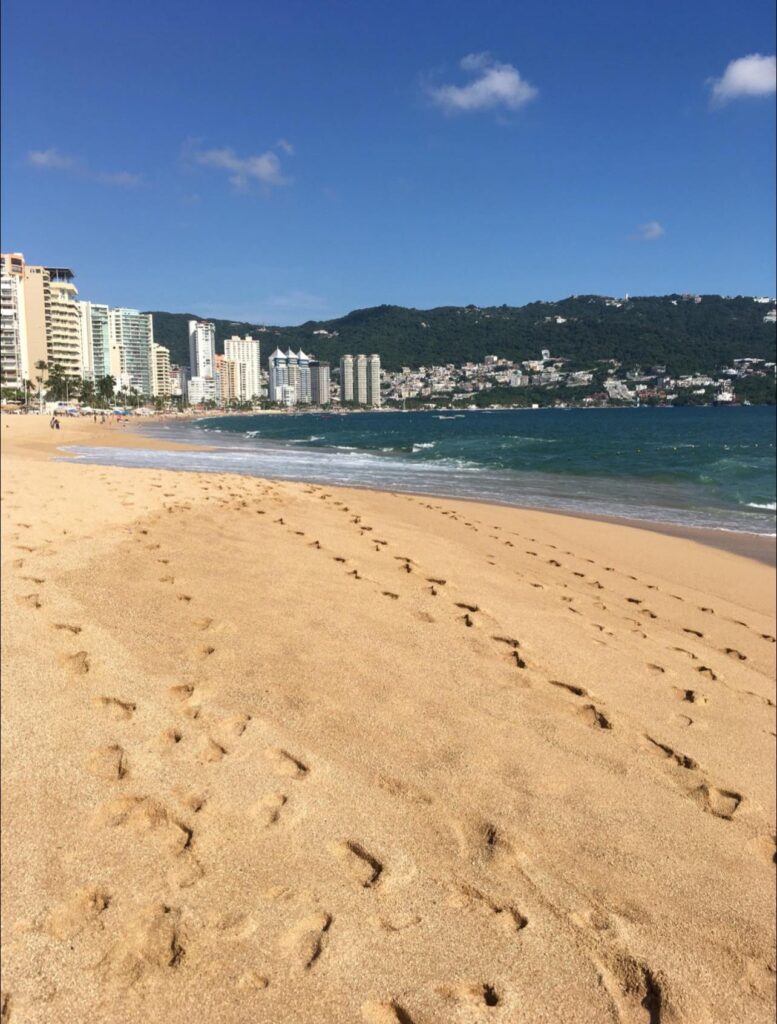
pixel 278 752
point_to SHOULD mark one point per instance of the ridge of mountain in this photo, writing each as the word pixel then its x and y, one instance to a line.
pixel 683 333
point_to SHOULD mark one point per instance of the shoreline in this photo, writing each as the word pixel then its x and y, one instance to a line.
pixel 759 547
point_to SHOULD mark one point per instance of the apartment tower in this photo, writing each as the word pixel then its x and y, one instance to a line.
pixel 319 383
pixel 373 381
pixel 132 338
pixel 360 380
pixel 246 354
pixel 346 378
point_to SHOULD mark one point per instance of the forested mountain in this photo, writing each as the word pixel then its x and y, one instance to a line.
pixel 673 331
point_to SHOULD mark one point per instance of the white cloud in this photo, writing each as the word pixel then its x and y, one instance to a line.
pixel 53 160
pixel 754 75
pixel 264 168
pixel 650 231
pixel 496 85
pixel 122 179
pixel 285 145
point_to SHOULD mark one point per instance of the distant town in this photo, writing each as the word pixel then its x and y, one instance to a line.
pixel 59 352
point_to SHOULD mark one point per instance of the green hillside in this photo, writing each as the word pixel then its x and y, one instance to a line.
pixel 668 330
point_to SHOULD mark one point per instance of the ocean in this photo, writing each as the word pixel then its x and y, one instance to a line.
pixel 708 467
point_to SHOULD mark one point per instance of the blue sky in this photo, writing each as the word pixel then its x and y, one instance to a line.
pixel 278 162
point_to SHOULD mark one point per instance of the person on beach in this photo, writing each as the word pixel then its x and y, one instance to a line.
pixel 52 422
pixel 56 424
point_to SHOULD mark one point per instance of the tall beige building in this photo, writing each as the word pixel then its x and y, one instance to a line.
pixel 346 378
pixel 373 381
pixel 227 380
pixel 161 383
pixel 50 330
pixel 360 380
pixel 64 337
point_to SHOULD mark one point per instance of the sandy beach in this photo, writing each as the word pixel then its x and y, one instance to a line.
pixel 279 752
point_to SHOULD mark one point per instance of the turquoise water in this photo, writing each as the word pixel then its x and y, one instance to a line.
pixel 711 467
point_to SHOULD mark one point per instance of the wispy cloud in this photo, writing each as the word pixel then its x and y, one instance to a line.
pixel 754 75
pixel 264 168
pixel 53 160
pixel 495 85
pixel 122 179
pixel 649 231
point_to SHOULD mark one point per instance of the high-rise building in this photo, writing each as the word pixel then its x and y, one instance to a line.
pixel 132 334
pixel 161 385
pixel 373 381
pixel 289 377
pixel 346 378
pixel 304 393
pixel 202 348
pixel 34 328
pixel 13 330
pixel 95 339
pixel 226 380
pixel 179 380
pixel 201 389
pixel 246 353
pixel 319 382
pixel 360 380
pixel 64 323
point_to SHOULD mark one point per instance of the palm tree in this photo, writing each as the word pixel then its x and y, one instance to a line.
pixel 42 367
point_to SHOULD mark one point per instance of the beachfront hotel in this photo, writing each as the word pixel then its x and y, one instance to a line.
pixel 202 360
pixel 245 354
pixel 43 321
pixel 289 378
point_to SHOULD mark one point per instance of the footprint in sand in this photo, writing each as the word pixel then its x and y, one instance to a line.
pixel 305 941
pixel 594 717
pixel 82 910
pixel 360 865
pixel 77 664
pixel 508 916
pixel 284 763
pixel 268 808
pixel 384 1012
pixel 118 709
pixel 108 763
pixel 468 994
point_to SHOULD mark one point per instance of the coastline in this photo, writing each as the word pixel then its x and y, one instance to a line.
pixel 328 751
pixel 760 547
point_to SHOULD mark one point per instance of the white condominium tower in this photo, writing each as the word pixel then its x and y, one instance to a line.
pixel 289 377
pixel 202 348
pixel 14 363
pixel 346 378
pixel 373 380
pixel 95 339
pixel 202 358
pixel 132 337
pixel 245 353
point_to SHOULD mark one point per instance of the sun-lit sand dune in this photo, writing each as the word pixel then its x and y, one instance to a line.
pixel 279 752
